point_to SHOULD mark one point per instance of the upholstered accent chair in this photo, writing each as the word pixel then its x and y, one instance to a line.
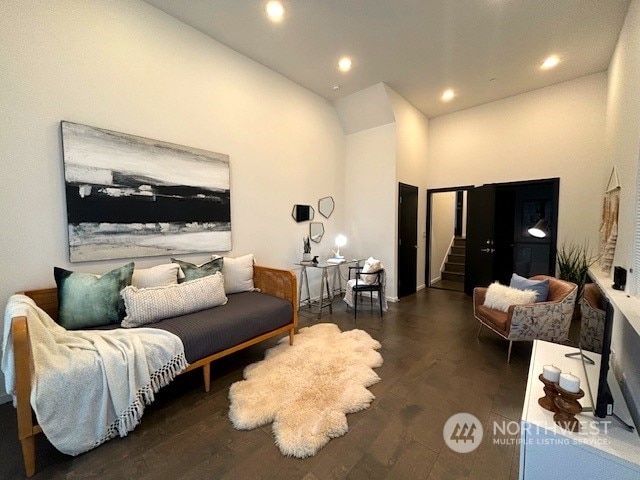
pixel 548 320
pixel 592 324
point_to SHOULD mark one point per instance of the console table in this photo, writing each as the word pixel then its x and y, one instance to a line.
pixel 603 448
pixel 324 283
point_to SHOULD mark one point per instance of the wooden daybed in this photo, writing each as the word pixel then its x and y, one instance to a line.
pixel 270 281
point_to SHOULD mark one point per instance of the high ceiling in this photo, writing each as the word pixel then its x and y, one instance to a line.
pixel 483 49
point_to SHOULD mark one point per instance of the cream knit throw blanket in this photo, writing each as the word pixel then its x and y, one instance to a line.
pixel 90 386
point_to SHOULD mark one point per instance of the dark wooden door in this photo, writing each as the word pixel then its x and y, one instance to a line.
pixel 480 251
pixel 407 239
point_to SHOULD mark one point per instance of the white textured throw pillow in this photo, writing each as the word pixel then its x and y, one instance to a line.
pixel 158 276
pixel 500 297
pixel 370 265
pixel 148 305
pixel 238 274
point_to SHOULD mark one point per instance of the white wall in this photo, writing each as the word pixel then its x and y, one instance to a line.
pixel 412 130
pixel 623 147
pixel 443 223
pixel 555 131
pixel 365 109
pixel 128 67
pixel 370 209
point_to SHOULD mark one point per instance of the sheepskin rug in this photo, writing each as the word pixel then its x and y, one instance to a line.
pixel 307 389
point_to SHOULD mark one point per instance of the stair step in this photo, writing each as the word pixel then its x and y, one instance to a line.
pixel 457 250
pixel 459 241
pixel 454 267
pixel 455 258
pixel 452 276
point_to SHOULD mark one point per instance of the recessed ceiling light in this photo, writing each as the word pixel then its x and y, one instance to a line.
pixel 550 62
pixel 448 95
pixel 335 87
pixel 275 11
pixel 344 64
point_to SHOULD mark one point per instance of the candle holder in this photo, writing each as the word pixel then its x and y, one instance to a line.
pixel 550 393
pixel 568 407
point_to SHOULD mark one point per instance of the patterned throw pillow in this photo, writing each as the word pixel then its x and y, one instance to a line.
pixel 501 297
pixel 86 300
pixel 148 305
pixel 191 271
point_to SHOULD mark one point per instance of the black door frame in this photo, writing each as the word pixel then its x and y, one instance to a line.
pixel 430 192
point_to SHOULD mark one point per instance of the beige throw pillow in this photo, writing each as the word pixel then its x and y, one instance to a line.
pixel 238 274
pixel 148 305
pixel 158 276
pixel 500 297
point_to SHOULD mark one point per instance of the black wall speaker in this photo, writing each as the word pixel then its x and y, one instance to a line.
pixel 619 278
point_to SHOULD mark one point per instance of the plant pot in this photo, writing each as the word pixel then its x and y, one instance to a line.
pixel 307 257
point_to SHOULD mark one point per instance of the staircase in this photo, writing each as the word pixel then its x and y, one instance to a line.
pixel 454 266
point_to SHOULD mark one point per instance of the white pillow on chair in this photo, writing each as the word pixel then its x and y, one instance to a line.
pixel 371 265
pixel 500 297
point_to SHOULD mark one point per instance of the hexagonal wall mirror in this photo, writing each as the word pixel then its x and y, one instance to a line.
pixel 326 206
pixel 316 231
pixel 302 213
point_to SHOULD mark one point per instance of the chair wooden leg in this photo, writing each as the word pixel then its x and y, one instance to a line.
pixel 291 334
pixel 29 454
pixel 206 373
pixel 380 301
pixel 478 335
pixel 509 354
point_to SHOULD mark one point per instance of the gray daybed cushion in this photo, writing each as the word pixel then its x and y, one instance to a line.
pixel 245 316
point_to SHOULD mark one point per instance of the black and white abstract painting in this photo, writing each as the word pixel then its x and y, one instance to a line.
pixel 130 196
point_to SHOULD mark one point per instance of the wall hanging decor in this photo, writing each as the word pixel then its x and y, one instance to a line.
pixel 130 196
pixel 326 206
pixel 609 221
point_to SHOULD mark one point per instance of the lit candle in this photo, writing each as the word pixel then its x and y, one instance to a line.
pixel 570 383
pixel 551 373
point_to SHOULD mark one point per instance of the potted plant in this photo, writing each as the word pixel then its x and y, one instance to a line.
pixel 573 264
pixel 306 256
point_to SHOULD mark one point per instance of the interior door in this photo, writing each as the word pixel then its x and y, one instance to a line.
pixel 407 239
pixel 480 251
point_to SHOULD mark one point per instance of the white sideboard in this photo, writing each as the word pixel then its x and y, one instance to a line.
pixel 603 449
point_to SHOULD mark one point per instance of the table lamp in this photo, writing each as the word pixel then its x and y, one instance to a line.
pixel 341 241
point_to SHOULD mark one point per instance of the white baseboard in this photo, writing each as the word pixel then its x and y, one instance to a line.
pixel 393 299
pixel 421 287
pixel 434 280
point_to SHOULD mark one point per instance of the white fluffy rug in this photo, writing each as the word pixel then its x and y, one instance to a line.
pixel 307 389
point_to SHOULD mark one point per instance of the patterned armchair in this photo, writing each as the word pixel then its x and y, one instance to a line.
pixel 548 320
pixel 592 324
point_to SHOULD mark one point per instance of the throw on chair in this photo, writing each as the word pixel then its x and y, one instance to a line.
pixel 369 278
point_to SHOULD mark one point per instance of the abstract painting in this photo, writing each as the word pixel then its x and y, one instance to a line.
pixel 129 196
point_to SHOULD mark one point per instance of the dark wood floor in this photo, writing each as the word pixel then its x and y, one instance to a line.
pixel 448 285
pixel 433 367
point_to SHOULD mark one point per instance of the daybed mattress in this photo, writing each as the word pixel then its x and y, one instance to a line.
pixel 246 315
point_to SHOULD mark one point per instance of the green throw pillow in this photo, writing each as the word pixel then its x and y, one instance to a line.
pixel 191 271
pixel 86 300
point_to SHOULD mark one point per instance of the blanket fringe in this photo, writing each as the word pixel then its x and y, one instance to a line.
pixel 130 417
